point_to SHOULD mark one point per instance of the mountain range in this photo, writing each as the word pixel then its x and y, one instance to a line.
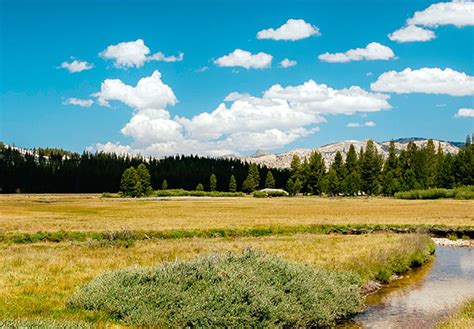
pixel 328 152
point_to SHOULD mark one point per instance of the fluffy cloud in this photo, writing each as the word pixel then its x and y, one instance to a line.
pixel 110 147
pixel 287 63
pixel 465 113
pixel 159 56
pixel 79 102
pixel 76 66
pixel 149 93
pixel 322 99
pixel 458 13
pixel 247 114
pixel 357 125
pixel 425 80
pixel 245 59
pixel 281 116
pixel 134 54
pixel 373 51
pixel 293 29
pixel 411 33
pixel 151 126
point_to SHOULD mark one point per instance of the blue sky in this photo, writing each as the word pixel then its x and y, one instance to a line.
pixel 38 36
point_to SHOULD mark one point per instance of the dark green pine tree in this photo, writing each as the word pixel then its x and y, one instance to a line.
pixel 290 186
pixel 144 179
pixel 269 180
pixel 232 184
pixel 297 186
pixel 164 185
pixel 370 170
pixel 446 175
pixel 391 173
pixel 429 158
pixel 464 164
pixel 316 173
pixel 338 165
pixel 252 182
pixel 213 182
pixel 351 182
pixel 333 183
pixel 130 183
pixel 199 187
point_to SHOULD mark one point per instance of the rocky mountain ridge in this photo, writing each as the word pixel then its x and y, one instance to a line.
pixel 328 152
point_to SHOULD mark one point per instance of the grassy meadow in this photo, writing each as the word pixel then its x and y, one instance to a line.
pixel 33 213
pixel 37 279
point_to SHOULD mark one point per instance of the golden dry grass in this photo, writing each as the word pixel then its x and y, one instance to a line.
pixel 462 319
pixel 32 213
pixel 37 279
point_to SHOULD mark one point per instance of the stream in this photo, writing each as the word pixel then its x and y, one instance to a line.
pixel 423 297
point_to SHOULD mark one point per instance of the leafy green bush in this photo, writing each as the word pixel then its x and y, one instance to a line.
pixel 258 194
pixel 181 192
pixel 252 289
pixel 466 192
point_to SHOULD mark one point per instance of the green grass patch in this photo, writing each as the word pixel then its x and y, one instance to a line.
pixel 181 192
pixel 43 324
pixel 464 193
pixel 252 289
pixel 126 238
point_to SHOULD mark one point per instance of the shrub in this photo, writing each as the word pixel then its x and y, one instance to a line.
pixel 252 289
pixel 466 192
pixel 181 192
pixel 258 194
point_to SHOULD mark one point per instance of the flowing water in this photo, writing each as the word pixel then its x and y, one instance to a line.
pixel 423 297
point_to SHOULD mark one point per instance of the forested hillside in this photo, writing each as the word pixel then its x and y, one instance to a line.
pixel 364 172
pixel 59 171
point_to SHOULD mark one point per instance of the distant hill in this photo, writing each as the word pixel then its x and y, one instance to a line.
pixel 328 152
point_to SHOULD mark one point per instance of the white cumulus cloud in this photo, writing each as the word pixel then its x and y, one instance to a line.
pixel 135 54
pixel 245 59
pixel 287 63
pixel 293 29
pixel 458 13
pixel 425 80
pixel 79 102
pixel 244 123
pixel 76 66
pixel 322 99
pixel 465 113
pixel 411 33
pixel 150 92
pixel 110 147
pixel 373 51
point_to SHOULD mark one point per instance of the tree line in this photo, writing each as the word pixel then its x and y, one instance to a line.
pixel 368 173
pixel 60 171
pixel 363 172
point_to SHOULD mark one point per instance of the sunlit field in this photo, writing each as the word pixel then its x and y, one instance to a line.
pixel 32 213
pixel 36 280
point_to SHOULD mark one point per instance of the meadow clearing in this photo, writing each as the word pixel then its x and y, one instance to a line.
pixel 38 279
pixel 33 213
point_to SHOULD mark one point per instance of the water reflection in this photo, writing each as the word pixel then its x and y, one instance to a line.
pixel 425 296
